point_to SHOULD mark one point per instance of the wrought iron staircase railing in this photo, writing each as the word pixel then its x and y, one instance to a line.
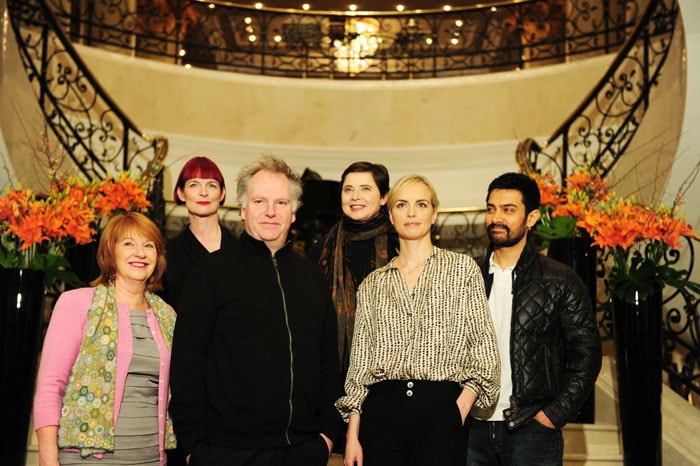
pixel 597 134
pixel 681 337
pixel 408 44
pixel 99 137
pixel 599 131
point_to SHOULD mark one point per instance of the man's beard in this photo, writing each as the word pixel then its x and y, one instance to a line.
pixel 507 240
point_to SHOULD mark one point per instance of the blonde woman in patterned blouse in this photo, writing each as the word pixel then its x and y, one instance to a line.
pixel 424 350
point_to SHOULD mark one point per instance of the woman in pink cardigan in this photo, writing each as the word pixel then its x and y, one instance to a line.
pixel 102 387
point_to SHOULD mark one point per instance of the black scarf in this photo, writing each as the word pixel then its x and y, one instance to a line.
pixel 335 261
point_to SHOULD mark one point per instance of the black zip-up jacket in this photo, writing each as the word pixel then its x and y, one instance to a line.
pixel 555 349
pixel 254 357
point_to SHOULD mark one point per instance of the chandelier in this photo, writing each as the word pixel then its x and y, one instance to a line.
pixel 353 54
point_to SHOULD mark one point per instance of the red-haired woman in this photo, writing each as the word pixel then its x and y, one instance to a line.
pixel 201 188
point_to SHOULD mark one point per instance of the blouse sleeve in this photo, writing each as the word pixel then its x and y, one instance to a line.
pixel 356 386
pixel 482 365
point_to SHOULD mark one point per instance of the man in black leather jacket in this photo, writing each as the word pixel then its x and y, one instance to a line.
pixel 547 334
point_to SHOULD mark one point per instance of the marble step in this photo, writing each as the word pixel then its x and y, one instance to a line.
pixel 592 445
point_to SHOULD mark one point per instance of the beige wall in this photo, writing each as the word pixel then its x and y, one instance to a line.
pixel 460 132
pixel 326 113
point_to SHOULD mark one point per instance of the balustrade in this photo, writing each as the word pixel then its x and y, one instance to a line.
pixel 301 43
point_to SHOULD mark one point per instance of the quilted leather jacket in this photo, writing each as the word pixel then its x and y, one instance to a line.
pixel 555 348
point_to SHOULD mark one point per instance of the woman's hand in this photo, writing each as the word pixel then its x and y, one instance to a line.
pixel 47 438
pixel 465 401
pixel 353 449
pixel 353 452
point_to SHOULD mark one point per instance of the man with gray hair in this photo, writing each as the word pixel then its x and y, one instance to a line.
pixel 254 371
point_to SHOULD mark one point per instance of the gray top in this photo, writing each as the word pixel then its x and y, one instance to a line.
pixel 136 432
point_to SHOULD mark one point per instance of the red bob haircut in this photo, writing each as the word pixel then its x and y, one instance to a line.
pixel 198 167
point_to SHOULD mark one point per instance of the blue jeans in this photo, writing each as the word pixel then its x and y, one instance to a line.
pixel 493 444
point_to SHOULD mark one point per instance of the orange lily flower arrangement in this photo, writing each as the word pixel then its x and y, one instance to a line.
pixel 110 196
pixel 36 229
pixel 562 206
pixel 638 237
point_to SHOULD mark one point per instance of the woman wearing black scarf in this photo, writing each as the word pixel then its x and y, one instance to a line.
pixel 361 241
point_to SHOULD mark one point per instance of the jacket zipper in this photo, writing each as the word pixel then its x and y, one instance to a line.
pixel 513 289
pixel 291 353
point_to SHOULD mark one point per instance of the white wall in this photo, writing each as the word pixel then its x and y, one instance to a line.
pixel 460 132
pixel 688 155
pixel 689 145
pixel 4 161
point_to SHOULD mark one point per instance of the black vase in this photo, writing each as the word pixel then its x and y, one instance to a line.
pixel 637 336
pixel 83 261
pixel 578 254
pixel 21 317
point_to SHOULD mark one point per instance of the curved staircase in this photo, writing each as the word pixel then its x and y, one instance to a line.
pixel 603 127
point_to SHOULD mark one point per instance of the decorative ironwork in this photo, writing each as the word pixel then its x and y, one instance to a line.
pixel 462 230
pixel 597 134
pixel 682 333
pixel 599 131
pixel 681 324
pixel 94 131
pixel 359 45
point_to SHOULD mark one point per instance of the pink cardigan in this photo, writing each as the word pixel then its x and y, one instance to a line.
pixel 61 348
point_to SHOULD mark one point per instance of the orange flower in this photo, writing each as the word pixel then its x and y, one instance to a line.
pixel 637 237
pixel 549 190
pixel 119 195
pixel 562 206
pixel 34 228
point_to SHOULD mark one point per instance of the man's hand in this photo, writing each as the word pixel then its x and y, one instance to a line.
pixel 542 418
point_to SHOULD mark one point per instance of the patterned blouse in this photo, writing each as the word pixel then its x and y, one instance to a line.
pixel 440 331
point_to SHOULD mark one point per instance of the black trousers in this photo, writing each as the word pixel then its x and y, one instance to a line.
pixel 176 457
pixel 313 452
pixel 413 423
